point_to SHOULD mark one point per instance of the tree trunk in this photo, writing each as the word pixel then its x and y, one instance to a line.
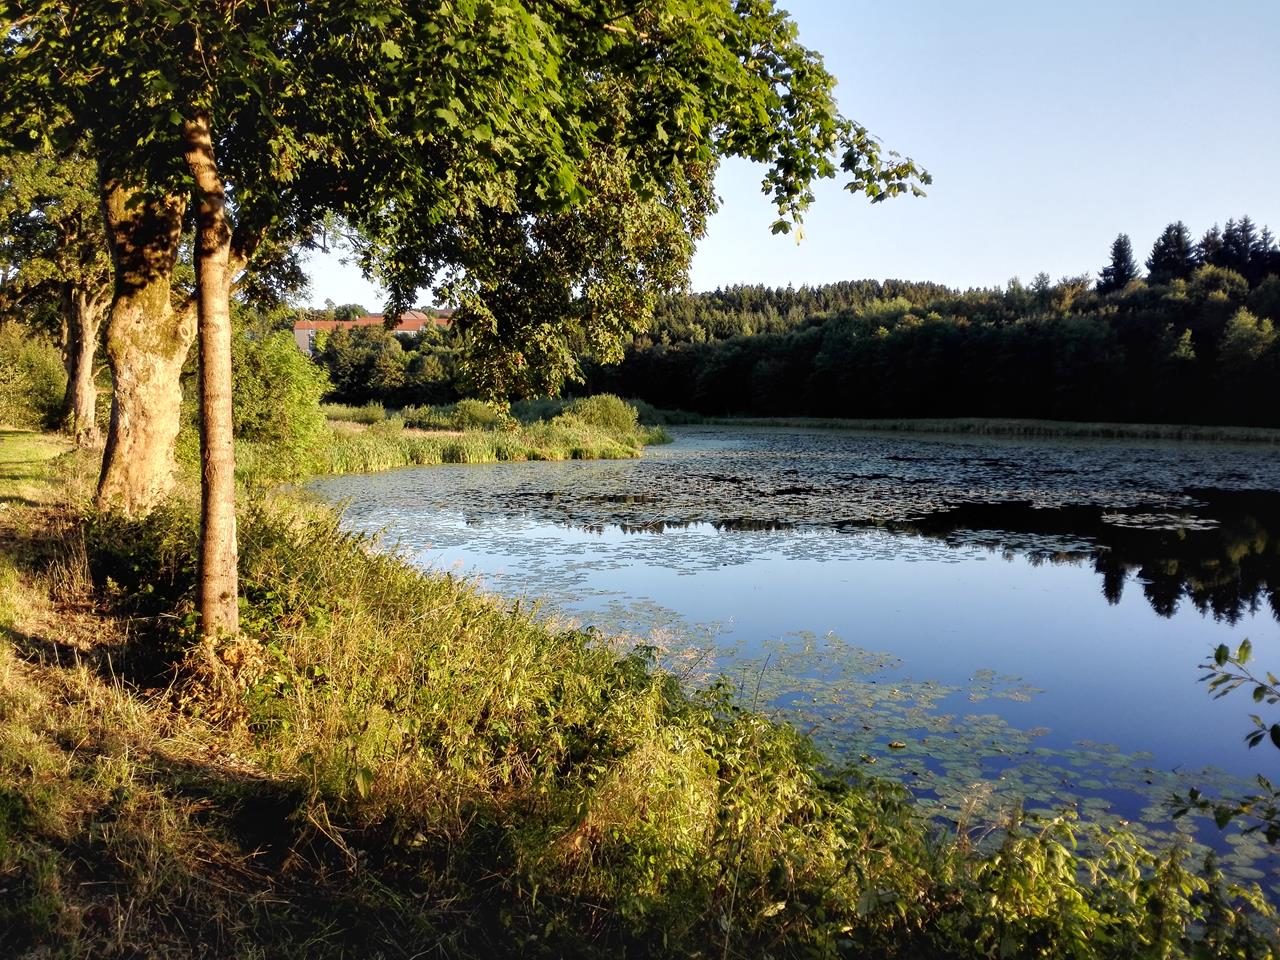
pixel 219 613
pixel 147 343
pixel 83 313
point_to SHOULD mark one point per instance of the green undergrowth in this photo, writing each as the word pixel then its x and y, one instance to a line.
pixel 389 763
pixel 595 428
pixel 32 378
pixel 986 426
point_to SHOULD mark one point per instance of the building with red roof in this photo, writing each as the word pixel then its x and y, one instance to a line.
pixel 412 322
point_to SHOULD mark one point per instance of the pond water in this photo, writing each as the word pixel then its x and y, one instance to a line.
pixel 989 620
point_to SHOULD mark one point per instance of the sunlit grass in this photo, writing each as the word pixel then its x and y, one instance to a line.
pixel 391 763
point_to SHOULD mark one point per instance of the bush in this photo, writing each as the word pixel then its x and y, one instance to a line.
pixel 478 415
pixel 371 412
pixel 607 412
pixel 539 408
pixel 276 393
pixel 32 378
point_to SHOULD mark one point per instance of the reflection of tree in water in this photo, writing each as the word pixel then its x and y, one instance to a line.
pixel 1222 555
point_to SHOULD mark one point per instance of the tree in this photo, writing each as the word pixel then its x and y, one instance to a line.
pixel 1172 255
pixel 1238 242
pixel 432 130
pixel 1264 258
pixel 1122 269
pixel 1042 290
pixel 52 235
pixel 1209 249
pixel 349 311
pixel 1245 340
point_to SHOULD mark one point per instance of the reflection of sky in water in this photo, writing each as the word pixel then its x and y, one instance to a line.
pixel 945 612
pixel 1015 661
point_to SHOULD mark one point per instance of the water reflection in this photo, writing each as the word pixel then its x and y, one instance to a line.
pixel 826 570
pixel 1218 550
pixel 1221 555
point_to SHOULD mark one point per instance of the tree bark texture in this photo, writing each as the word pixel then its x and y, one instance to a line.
pixel 218 600
pixel 147 343
pixel 84 311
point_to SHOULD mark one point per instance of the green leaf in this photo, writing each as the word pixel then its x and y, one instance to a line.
pixel 1221 655
pixel 364 782
pixel 391 50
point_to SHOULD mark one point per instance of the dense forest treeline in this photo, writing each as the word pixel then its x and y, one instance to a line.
pixel 1191 339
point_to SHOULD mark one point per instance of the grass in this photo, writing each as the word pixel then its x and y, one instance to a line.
pixel 597 428
pixel 23 464
pixel 987 426
pixel 391 764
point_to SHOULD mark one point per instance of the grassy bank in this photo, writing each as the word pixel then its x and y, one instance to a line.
pixel 983 426
pixel 370 438
pixel 390 764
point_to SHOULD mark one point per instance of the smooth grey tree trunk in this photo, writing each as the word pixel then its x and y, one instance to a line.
pixel 218 600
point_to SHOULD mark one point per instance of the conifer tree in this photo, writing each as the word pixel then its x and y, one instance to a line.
pixel 1116 275
pixel 1172 256
pixel 1238 240
pixel 1209 249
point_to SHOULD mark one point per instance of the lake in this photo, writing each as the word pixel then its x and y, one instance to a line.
pixel 989 620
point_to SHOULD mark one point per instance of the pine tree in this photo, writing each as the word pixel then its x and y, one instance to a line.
pixel 1209 249
pixel 1122 269
pixel 1264 258
pixel 1172 256
pixel 1238 240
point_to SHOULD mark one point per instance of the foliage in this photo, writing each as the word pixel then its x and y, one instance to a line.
pixel 1225 673
pixel 509 767
pixel 551 201
pixel 276 393
pixel 32 377
pixel 52 239
pixel 606 411
pixel 1122 270
pixel 369 413
pixel 1175 353
pixel 479 435
pixel 1173 255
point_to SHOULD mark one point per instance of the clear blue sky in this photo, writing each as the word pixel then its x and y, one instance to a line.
pixel 1048 128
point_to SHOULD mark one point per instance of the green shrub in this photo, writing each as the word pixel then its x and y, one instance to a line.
pixel 538 408
pixel 478 415
pixel 33 381
pixel 371 412
pixel 427 418
pixel 277 393
pixel 605 411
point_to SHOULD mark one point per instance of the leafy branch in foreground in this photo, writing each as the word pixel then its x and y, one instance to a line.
pixel 1226 673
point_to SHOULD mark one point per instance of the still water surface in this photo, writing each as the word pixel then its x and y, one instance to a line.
pixel 1018 618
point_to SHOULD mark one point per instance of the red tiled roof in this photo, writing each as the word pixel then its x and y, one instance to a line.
pixel 411 321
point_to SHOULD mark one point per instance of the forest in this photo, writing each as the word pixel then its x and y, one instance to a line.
pixel 1189 340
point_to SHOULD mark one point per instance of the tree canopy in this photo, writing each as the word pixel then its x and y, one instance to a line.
pixel 546 164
